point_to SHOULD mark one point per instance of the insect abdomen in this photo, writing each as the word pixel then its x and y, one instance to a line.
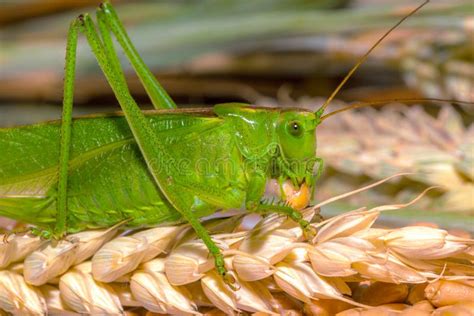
pixel 108 178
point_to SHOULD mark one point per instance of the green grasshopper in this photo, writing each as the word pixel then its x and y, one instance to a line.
pixel 146 168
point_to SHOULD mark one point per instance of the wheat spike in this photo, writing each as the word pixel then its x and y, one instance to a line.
pixel 396 139
pixel 166 270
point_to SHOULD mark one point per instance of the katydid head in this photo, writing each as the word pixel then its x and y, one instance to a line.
pixel 295 159
pixel 297 143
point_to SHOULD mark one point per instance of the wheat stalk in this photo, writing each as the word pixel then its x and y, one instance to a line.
pixel 347 267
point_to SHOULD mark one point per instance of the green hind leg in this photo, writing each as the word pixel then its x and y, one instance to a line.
pixel 108 20
pixel 65 138
pixel 153 149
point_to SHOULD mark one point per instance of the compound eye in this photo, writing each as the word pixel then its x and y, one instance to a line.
pixel 295 128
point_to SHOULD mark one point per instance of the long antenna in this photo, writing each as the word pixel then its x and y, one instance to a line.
pixel 382 102
pixel 364 57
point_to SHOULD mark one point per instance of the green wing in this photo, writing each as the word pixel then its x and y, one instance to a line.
pixel 108 178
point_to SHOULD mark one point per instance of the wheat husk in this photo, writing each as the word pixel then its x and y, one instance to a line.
pixel 54 302
pixel 43 265
pixel 85 295
pixel 88 242
pixel 18 297
pixel 17 248
pixel 188 263
pixel 424 243
pixel 277 270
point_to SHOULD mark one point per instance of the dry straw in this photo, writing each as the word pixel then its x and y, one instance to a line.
pixel 348 267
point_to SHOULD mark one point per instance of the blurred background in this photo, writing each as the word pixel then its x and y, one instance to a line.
pixel 284 53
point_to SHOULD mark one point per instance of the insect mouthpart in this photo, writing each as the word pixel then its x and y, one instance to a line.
pixel 298 197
